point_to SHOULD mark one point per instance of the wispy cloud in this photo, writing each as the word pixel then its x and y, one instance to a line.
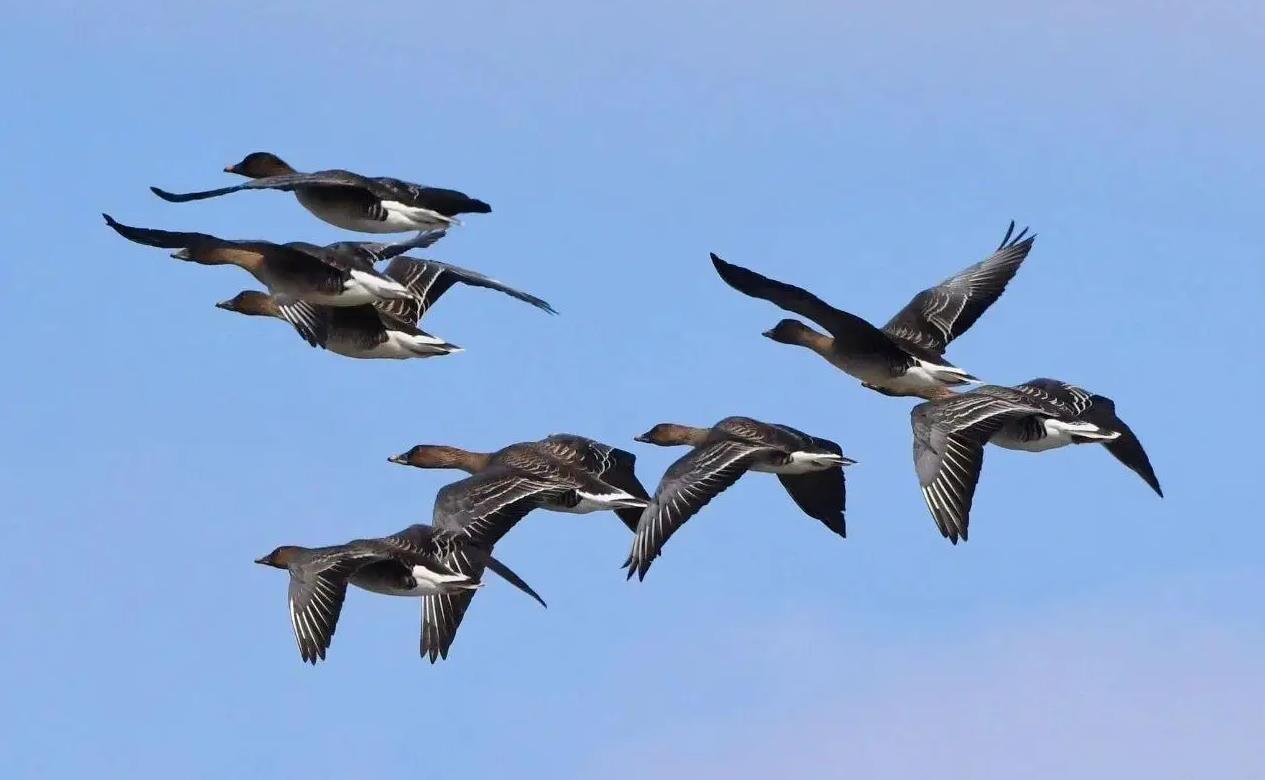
pixel 1096 689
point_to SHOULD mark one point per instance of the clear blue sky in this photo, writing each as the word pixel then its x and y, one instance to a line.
pixel 154 446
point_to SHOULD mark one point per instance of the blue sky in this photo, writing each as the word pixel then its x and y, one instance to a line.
pixel 154 446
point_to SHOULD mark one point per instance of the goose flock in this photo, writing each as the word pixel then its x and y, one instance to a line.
pixel 336 298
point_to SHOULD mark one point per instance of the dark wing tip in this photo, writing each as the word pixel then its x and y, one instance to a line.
pixel 636 565
pixel 109 220
pixel 167 196
pixel 727 270
pixel 539 303
pixel 836 524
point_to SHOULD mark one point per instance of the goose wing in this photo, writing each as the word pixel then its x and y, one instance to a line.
pixel 484 507
pixel 285 182
pixel 686 487
pixel 171 239
pixel 938 315
pixel 442 613
pixel 429 279
pixel 860 335
pixel 819 494
pixel 1064 399
pixel 310 320
pixel 447 202
pixel 1126 447
pixel 317 590
pixel 612 465
pixel 949 439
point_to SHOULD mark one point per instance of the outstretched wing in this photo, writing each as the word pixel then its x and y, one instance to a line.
pixel 483 508
pixel 938 315
pixel 429 279
pixel 860 335
pixel 949 439
pixel 1126 447
pixel 442 613
pixel 170 239
pixel 687 487
pixel 286 182
pixel 316 598
pixel 310 320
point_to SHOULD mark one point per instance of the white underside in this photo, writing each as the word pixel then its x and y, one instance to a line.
pixel 377 286
pixel 429 583
pixel 590 502
pixel 400 218
pixel 360 289
pixel 1057 434
pixel 398 346
pixel 803 463
pixel 921 378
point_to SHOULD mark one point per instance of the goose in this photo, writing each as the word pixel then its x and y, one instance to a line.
pixel 613 481
pixel 366 204
pixel 906 357
pixel 419 561
pixel 809 468
pixel 385 330
pixel 338 275
pixel 480 509
pixel 1039 415
pixel 352 331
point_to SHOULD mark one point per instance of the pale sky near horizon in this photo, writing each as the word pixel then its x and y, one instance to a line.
pixel 154 446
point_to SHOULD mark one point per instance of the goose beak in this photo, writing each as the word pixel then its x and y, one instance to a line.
pixel 846 461
pixel 768 334
pixel 263 560
pixel 225 305
pixel 398 459
pixel 230 169
pixel 643 438
pixel 183 254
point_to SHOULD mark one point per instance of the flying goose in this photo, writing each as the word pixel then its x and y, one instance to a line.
pixel 352 331
pixel 811 470
pixel 337 275
pixel 419 561
pixel 348 200
pixel 612 470
pixel 906 357
pixel 386 329
pixel 482 508
pixel 1042 414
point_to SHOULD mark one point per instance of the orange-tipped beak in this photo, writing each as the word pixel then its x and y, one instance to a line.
pixel 230 169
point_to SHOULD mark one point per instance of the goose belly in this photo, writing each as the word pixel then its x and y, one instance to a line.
pixel 801 463
pixel 398 346
pixel 920 379
pixel 590 502
pixel 1033 435
pixel 586 505
pixel 426 582
pixel 349 214
pixel 353 297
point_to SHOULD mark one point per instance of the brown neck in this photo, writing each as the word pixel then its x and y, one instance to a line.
pixel 246 259
pixel 278 168
pixel 673 435
pixel 472 462
pixel 442 457
pixel 817 342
